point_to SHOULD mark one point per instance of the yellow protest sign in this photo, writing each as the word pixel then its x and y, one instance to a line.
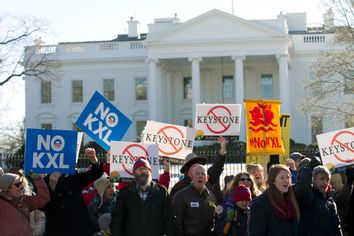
pixel 263 134
pixel 285 136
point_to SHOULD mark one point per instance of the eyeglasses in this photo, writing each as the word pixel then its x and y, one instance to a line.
pixel 245 179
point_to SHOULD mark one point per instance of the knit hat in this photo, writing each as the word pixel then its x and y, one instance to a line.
pixel 101 185
pixel 304 162
pixel 321 169
pixel 190 160
pixel 142 162
pixel 6 181
pixel 296 156
pixel 241 193
pixel 104 221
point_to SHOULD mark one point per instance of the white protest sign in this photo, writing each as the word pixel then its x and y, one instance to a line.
pixel 213 120
pixel 337 148
pixel 78 145
pixel 173 140
pixel 124 154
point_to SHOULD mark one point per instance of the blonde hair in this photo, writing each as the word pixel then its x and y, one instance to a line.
pixel 236 180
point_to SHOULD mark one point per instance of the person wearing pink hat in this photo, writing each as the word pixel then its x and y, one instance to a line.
pixel 143 207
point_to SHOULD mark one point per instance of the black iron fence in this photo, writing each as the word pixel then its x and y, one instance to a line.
pixel 235 160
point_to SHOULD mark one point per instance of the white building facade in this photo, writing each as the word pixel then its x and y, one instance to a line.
pixel 213 58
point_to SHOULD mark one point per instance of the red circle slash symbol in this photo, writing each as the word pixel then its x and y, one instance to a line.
pixel 336 140
pixel 129 149
pixel 225 127
pixel 175 149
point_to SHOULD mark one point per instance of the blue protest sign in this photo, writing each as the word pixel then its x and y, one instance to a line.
pixel 102 121
pixel 48 151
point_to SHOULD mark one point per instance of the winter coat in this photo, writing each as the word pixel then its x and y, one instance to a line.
pixel 134 217
pixel 214 173
pixel 13 222
pixel 194 212
pixel 95 210
pixel 66 212
pixel 318 212
pixel 264 222
pixel 238 223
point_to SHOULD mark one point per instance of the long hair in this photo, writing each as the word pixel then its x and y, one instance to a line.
pixel 275 195
pixel 235 182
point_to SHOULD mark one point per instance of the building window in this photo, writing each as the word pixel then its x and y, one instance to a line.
pixel 140 125
pixel 140 89
pixel 188 123
pixel 349 121
pixel 108 89
pixel 316 127
pixel 349 82
pixel 187 88
pixel 227 86
pixel 46 91
pixel 267 86
pixel 46 126
pixel 77 91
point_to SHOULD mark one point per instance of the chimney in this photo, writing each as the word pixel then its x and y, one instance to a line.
pixel 132 27
pixel 328 20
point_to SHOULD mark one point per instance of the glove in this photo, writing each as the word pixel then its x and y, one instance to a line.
pixel 315 161
pixel 230 215
pixel 350 176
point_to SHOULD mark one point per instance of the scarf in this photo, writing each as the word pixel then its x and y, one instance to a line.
pixel 283 209
pixel 19 204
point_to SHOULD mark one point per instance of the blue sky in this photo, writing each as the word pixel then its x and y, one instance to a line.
pixel 79 20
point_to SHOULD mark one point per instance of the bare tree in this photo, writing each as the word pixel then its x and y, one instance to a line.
pixel 331 90
pixel 14 138
pixel 16 34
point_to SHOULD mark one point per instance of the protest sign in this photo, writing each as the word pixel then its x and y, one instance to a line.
pixel 102 121
pixel 49 151
pixel 173 140
pixel 214 120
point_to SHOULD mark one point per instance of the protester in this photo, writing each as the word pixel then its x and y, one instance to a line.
pixel 276 211
pixel 235 212
pixel 257 171
pixel 15 205
pixel 350 215
pixel 66 212
pixel 228 182
pixel 296 157
pixel 214 171
pixel 342 188
pixel 142 208
pixel 103 202
pixel 37 217
pixel 292 167
pixel 194 206
pixel 318 210
pixel 246 179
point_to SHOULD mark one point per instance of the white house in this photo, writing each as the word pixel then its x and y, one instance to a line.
pixel 213 58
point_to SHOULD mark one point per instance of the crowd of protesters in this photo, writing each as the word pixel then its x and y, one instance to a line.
pixel 298 198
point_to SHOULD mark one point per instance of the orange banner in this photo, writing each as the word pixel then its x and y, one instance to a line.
pixel 263 128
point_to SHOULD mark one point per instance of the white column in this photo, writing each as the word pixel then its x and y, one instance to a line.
pixel 239 91
pixel 152 89
pixel 239 87
pixel 195 83
pixel 169 96
pixel 284 86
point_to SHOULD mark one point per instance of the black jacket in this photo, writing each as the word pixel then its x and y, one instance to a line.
pixel 263 222
pixel 66 212
pixel 134 217
pixel 318 213
pixel 214 173
pixel 194 212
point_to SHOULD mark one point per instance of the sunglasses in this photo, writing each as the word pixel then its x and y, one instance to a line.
pixel 245 179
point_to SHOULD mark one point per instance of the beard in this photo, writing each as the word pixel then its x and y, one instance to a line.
pixel 142 179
